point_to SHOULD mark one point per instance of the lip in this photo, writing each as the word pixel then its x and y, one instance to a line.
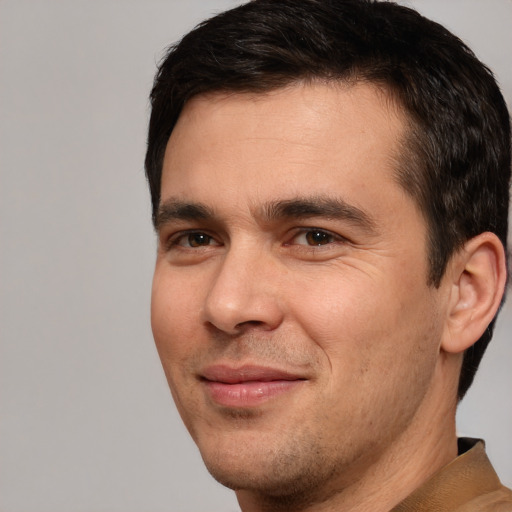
pixel 248 385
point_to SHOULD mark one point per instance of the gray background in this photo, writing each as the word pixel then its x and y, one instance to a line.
pixel 86 420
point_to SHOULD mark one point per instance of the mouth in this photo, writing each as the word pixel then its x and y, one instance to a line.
pixel 247 386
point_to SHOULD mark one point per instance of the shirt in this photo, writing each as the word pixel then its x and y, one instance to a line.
pixel 468 484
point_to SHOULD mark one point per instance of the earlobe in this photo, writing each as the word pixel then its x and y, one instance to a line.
pixel 478 276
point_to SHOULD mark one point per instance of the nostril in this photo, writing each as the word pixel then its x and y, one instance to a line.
pixel 249 323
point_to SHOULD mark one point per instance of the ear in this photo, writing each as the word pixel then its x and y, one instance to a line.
pixel 478 276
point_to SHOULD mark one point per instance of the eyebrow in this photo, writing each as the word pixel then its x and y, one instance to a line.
pixel 327 207
pixel 174 209
pixel 296 208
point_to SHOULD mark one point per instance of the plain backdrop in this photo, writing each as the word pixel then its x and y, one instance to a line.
pixel 86 421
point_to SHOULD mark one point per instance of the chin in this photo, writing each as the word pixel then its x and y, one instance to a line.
pixel 264 481
pixel 292 470
pixel 280 483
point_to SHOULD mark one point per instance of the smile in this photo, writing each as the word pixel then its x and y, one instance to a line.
pixel 247 386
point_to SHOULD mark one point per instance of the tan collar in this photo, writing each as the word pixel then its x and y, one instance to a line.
pixel 467 477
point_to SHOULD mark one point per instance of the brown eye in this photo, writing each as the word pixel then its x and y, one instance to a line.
pixel 315 237
pixel 192 240
pixel 197 240
pixel 318 237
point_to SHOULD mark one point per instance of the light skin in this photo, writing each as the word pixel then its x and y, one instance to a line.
pixel 309 359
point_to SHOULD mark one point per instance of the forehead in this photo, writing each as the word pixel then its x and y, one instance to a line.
pixel 305 139
pixel 301 109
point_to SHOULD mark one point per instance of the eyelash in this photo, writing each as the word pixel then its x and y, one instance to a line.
pixel 333 238
pixel 174 241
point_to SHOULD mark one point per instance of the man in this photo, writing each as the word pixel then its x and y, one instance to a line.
pixel 330 191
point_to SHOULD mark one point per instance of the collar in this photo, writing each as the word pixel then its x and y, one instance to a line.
pixel 467 477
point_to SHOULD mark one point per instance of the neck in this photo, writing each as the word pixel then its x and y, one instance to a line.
pixel 428 444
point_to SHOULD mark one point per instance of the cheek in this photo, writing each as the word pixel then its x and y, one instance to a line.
pixel 174 319
pixel 379 343
pixel 175 331
pixel 356 320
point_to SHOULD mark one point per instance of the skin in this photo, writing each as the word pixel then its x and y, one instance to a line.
pixel 332 290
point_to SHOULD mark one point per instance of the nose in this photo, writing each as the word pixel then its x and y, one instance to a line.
pixel 244 293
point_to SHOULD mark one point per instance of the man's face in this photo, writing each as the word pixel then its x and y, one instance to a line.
pixel 290 306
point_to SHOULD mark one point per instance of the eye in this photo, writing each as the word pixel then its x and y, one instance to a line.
pixel 315 237
pixel 193 240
